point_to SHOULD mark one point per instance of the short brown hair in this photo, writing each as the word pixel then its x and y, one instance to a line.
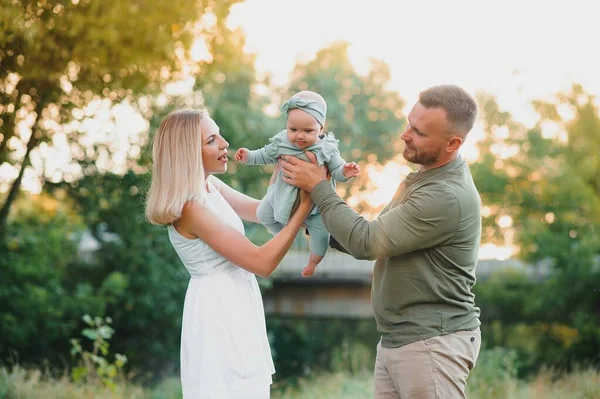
pixel 460 106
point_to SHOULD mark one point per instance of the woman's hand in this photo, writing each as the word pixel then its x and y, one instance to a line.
pixel 305 200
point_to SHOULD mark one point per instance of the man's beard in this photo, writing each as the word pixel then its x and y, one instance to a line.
pixel 421 157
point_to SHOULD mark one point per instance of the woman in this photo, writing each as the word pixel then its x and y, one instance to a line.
pixel 224 347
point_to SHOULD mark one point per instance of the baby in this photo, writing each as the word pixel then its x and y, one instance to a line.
pixel 306 112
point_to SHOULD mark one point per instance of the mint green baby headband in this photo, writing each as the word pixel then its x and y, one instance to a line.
pixel 308 105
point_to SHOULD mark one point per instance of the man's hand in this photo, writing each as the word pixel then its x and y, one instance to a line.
pixel 241 155
pixel 302 174
pixel 351 170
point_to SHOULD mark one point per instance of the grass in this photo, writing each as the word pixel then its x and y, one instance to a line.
pixel 493 378
pixel 580 385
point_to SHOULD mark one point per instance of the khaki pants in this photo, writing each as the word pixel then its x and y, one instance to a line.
pixel 437 367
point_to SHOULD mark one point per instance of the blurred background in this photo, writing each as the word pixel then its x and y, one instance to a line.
pixel 91 295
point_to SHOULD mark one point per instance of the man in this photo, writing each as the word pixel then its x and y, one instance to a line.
pixel 425 243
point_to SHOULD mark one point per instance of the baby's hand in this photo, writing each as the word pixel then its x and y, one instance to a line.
pixel 241 155
pixel 351 170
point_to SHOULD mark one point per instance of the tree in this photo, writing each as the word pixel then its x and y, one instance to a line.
pixel 59 55
pixel 228 82
pixel 365 116
pixel 545 179
pixel 225 84
pixel 361 112
pixel 134 274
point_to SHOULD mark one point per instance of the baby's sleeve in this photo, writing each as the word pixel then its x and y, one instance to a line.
pixel 268 154
pixel 332 158
pixel 260 157
pixel 336 168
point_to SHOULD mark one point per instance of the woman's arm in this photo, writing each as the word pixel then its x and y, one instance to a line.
pixel 242 204
pixel 198 220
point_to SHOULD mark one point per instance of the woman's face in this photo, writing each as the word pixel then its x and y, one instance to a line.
pixel 214 147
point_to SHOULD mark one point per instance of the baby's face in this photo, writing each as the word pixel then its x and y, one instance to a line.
pixel 303 130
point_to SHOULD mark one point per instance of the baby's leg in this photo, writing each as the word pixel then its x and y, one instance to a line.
pixel 313 262
pixel 265 214
pixel 319 242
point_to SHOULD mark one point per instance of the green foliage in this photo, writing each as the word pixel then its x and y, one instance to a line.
pixel 61 55
pixel 340 385
pixel 304 347
pixel 134 272
pixel 522 314
pixel 549 187
pixel 504 297
pixel 361 112
pixel 494 374
pixel 96 366
pixel 39 303
pixel 225 86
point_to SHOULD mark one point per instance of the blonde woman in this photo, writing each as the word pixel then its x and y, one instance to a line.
pixel 224 347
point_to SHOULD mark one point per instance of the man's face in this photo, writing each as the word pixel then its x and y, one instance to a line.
pixel 426 136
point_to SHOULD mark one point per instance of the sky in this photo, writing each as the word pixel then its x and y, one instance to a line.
pixel 517 50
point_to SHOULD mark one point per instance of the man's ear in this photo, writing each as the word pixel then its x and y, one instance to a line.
pixel 454 143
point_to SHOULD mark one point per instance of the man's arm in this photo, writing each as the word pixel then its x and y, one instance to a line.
pixel 429 218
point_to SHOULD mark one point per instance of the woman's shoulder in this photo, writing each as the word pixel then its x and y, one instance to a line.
pixel 192 210
pixel 191 213
pixel 215 182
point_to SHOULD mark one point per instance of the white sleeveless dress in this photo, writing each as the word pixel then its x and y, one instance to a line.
pixel 224 346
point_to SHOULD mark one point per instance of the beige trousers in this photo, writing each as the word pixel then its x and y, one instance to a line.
pixel 437 367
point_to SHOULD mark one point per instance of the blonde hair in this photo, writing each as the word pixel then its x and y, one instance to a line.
pixel 177 170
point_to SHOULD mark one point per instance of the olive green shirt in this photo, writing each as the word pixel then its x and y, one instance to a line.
pixel 425 243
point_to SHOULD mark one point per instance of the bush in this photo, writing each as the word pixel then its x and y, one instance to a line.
pixel 39 306
pixel 494 375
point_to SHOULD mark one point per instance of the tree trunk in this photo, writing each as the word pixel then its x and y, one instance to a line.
pixel 16 186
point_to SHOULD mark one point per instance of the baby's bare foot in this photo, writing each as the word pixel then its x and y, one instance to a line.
pixel 309 270
pixel 311 266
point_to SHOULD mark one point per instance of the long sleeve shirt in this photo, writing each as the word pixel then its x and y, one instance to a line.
pixel 425 244
pixel 284 194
